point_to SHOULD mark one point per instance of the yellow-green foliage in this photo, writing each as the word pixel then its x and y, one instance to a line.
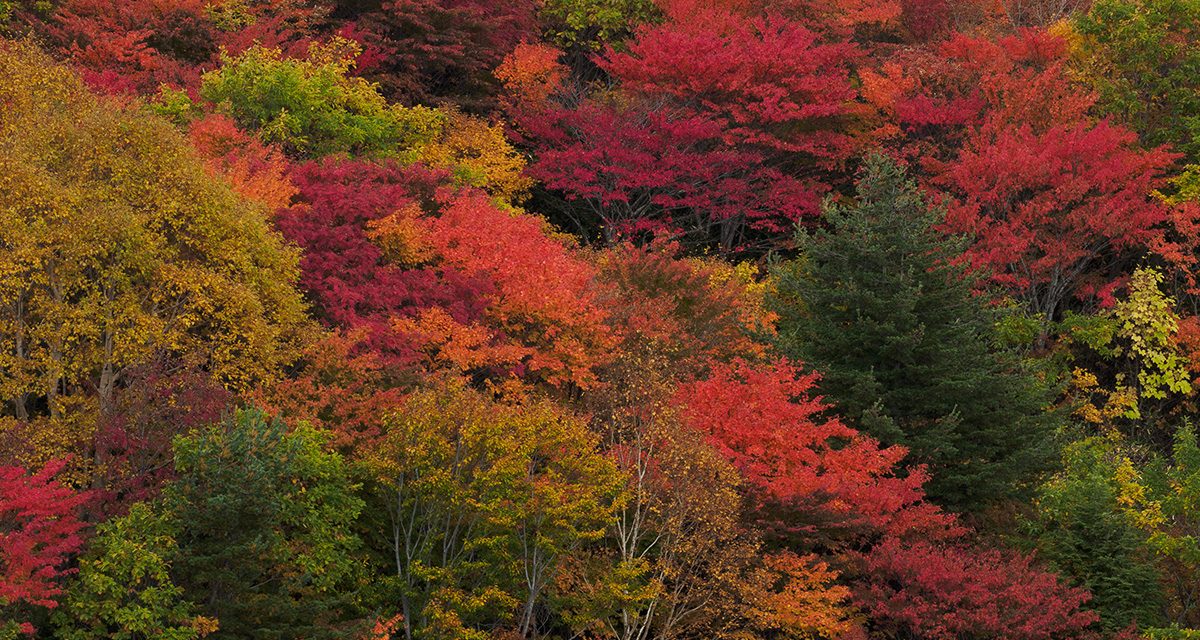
pixel 313 108
pixel 1137 337
pixel 1186 186
pixel 590 24
pixel 1164 499
pixel 477 487
pixel 116 246
pixel 1148 323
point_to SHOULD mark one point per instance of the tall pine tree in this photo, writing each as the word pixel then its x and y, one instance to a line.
pixel 877 304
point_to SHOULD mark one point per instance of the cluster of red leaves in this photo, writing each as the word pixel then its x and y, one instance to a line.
pixel 761 79
pixel 1021 78
pixel 1055 210
pixel 256 171
pixel 660 171
pixel 835 20
pixel 765 420
pixel 1053 198
pixel 39 531
pixel 430 273
pixel 347 276
pixel 933 98
pixel 919 589
pixel 723 121
pixel 425 51
pixel 543 300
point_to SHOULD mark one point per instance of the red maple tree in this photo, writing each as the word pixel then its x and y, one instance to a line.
pixel 920 589
pixel 795 460
pixel 39 530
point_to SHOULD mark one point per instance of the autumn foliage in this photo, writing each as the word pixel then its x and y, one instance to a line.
pixel 41 532
pixel 608 319
pixel 944 592
pixel 766 422
pixel 707 134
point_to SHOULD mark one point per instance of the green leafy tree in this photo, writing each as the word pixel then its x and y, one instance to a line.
pixel 1085 532
pixel 252 540
pixel 125 590
pixel 877 304
pixel 314 108
pixel 1143 57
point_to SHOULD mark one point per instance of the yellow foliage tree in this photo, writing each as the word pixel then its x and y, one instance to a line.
pixel 116 246
pixel 1141 374
pixel 478 154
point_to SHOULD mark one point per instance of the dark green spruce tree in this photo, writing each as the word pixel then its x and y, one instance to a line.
pixel 877 304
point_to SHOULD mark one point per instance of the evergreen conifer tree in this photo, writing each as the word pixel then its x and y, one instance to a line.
pixel 878 305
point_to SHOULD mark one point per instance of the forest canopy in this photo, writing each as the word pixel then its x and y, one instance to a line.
pixel 599 319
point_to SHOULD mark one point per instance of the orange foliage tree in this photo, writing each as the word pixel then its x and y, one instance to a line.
pixel 445 277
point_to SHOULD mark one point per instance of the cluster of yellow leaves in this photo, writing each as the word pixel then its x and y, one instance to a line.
pixel 1149 324
pixel 1100 407
pixel 1142 358
pixel 479 154
pixel 116 247
pixel 751 287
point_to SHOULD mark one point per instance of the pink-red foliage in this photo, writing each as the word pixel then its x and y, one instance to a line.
pixel 1054 212
pixel 661 171
pixel 921 590
pixel 1054 199
pixel 925 19
pixel 347 276
pixel 932 99
pixel 768 82
pixel 765 420
pixel 722 125
pixel 39 530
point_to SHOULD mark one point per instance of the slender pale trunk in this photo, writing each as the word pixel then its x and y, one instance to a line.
pixel 19 398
